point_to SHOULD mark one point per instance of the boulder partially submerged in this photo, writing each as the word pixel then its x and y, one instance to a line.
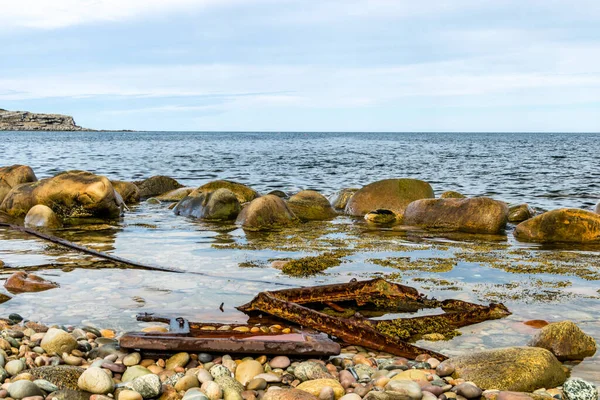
pixel 520 212
pixel 243 193
pixel 389 194
pixel 221 204
pixel 569 225
pixel 309 205
pixel 42 216
pixel 157 185
pixel 71 194
pixel 340 199
pixel 14 175
pixel 565 340
pixel 266 213
pixel 469 215
pixel 129 191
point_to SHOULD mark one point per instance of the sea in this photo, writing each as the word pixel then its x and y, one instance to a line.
pixel 222 264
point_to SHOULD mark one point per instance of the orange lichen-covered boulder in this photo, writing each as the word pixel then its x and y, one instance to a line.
pixel 470 215
pixel 570 225
pixel 21 282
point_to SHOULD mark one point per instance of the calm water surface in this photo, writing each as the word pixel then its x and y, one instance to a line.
pixel 545 170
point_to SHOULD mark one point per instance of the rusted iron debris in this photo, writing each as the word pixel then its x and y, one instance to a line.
pixel 337 310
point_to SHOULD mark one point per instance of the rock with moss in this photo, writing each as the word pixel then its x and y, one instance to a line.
pixel 221 204
pixel 63 376
pixel 451 194
pixel 569 225
pixel 242 192
pixel 519 369
pixel 157 185
pixel 128 191
pixel 520 213
pixel 41 216
pixel 471 215
pixel 389 194
pixel 309 205
pixel 340 199
pixel 71 194
pixel 266 213
pixel 565 340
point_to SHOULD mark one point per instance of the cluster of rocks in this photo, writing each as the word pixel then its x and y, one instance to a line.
pixel 410 202
pixel 38 362
pixel 28 121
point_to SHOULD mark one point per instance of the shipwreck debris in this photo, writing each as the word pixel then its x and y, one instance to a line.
pixel 313 309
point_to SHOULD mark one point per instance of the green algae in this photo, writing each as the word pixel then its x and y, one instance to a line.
pixel 412 329
pixel 312 265
pixel 409 264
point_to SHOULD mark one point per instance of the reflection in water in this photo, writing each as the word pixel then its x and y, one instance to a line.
pixel 535 282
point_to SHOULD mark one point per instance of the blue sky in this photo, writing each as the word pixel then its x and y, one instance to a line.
pixel 305 65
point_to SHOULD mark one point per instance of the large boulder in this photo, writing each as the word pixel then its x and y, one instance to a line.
pixel 242 192
pixel 72 194
pixel 389 194
pixel 520 213
pixel 471 215
pixel 13 176
pixel 266 213
pixel 565 340
pixel 222 204
pixel 563 225
pixel 340 199
pixel 157 185
pixel 17 174
pixel 309 205
pixel 41 216
pixel 519 369
pixel 128 191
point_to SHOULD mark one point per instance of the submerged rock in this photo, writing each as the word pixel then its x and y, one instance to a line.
pixel 309 205
pixel 451 194
pixel 72 194
pixel 563 225
pixel 266 213
pixel 381 217
pixel 221 204
pixel 22 282
pixel 471 215
pixel 242 192
pixel 157 185
pixel 41 216
pixel 128 191
pixel 565 340
pixel 520 213
pixel 389 194
pixel 339 200
pixel 520 369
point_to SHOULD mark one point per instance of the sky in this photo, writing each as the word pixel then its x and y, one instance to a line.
pixel 305 65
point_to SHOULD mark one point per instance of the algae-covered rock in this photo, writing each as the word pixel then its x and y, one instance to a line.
pixel 340 199
pixel 520 213
pixel 309 205
pixel 128 191
pixel 563 225
pixel 41 216
pixel 381 217
pixel 470 215
pixel 520 369
pixel 72 194
pixel 242 192
pixel 157 185
pixel 221 204
pixel 565 340
pixel 451 194
pixel 266 213
pixel 389 194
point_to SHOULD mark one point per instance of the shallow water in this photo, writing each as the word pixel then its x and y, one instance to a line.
pixel 546 170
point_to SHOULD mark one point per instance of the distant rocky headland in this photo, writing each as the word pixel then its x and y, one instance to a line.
pixel 28 121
